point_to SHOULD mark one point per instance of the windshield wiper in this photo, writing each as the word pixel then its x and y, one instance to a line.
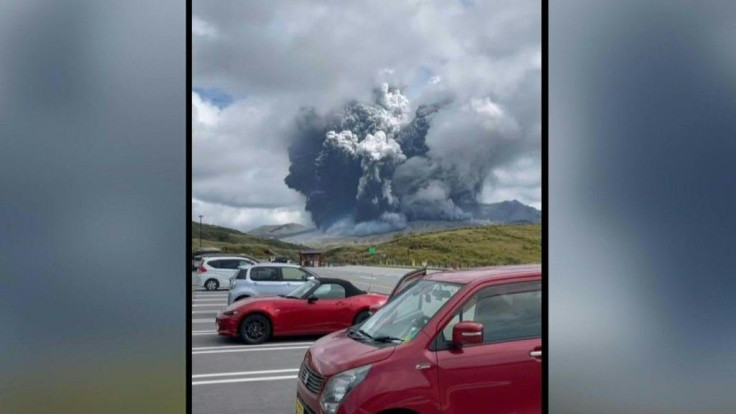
pixel 383 339
pixel 364 333
pixel 353 334
pixel 387 339
pixel 356 334
pixel 291 297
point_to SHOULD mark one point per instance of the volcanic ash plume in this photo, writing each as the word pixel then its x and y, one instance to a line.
pixel 368 168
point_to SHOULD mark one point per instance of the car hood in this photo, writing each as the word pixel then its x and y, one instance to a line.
pixel 337 352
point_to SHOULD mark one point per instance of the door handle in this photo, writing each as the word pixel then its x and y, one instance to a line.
pixel 535 354
pixel 423 365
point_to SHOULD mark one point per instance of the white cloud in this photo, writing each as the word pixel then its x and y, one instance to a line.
pixel 521 180
pixel 202 29
pixel 237 158
pixel 282 55
pixel 244 219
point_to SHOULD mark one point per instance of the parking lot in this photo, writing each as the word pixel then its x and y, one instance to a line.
pixel 228 377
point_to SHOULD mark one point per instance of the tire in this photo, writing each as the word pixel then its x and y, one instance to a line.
pixel 255 329
pixel 360 317
pixel 211 284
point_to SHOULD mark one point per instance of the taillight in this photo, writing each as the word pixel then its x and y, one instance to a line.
pixel 201 269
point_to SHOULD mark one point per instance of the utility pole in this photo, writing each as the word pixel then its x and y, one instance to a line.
pixel 200 231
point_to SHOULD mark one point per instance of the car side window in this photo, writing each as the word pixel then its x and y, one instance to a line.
pixel 217 264
pixel 225 264
pixel 231 264
pixel 330 291
pixel 505 315
pixel 468 313
pixel 264 274
pixel 293 274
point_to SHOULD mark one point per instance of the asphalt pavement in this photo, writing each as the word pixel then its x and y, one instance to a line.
pixel 229 377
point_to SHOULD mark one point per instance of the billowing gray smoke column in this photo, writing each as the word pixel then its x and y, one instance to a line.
pixel 371 167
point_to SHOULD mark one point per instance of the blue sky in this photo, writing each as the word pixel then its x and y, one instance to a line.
pixel 215 96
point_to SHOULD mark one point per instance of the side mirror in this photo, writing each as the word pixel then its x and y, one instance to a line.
pixel 374 308
pixel 312 299
pixel 467 333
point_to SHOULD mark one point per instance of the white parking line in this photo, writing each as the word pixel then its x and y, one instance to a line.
pixel 203 321
pixel 249 350
pixel 235 374
pixel 210 305
pixel 209 311
pixel 206 348
pixel 223 299
pixel 290 377
pixel 204 333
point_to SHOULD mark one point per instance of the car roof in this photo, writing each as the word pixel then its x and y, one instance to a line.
pixel 350 289
pixel 220 255
pixel 272 264
pixel 483 274
pixel 210 258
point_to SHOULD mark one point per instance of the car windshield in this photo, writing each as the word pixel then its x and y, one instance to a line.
pixel 303 289
pixel 402 318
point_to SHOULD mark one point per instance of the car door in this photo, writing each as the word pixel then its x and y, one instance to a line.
pixel 228 269
pixel 291 278
pixel 216 271
pixel 327 314
pixel 265 280
pixel 503 374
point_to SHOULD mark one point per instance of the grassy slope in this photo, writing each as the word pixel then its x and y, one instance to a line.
pixel 234 241
pixel 475 246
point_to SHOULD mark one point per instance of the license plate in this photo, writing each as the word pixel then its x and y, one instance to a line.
pixel 299 407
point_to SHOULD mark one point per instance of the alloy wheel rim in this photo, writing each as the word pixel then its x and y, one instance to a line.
pixel 255 330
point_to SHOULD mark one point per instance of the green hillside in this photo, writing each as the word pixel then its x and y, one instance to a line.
pixel 234 241
pixel 467 247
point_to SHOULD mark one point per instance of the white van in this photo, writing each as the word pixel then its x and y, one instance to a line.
pixel 215 271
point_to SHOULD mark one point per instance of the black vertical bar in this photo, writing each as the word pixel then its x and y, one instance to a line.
pixel 190 294
pixel 545 210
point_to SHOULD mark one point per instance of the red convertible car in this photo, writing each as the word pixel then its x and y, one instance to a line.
pixel 318 306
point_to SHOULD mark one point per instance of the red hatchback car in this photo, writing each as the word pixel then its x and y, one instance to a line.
pixel 455 342
pixel 318 306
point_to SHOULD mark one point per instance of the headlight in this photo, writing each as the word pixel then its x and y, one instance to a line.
pixel 339 386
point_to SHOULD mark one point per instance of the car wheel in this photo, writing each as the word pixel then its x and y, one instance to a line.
pixel 362 316
pixel 211 284
pixel 255 329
